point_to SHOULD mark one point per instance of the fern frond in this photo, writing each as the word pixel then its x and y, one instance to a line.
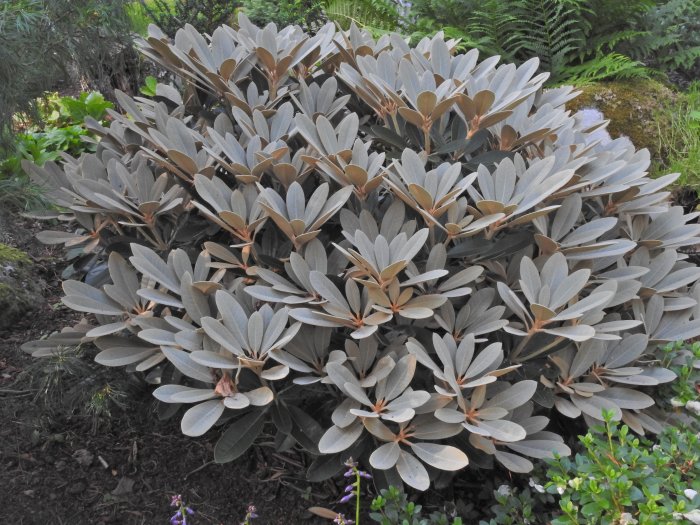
pixel 671 38
pixel 685 58
pixel 494 27
pixel 608 42
pixel 374 15
pixel 604 67
pixel 554 30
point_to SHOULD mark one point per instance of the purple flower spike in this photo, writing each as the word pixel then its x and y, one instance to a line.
pixel 347 498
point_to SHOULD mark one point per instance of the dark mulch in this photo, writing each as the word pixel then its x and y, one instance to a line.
pixel 56 467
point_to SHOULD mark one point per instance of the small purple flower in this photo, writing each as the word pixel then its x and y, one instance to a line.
pixel 347 497
pixel 180 517
pixel 251 514
pixel 364 474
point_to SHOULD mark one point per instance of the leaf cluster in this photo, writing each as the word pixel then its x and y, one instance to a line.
pixel 392 507
pixel 205 15
pixel 306 13
pixel 360 248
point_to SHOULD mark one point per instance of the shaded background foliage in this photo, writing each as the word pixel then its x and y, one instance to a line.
pixel 48 43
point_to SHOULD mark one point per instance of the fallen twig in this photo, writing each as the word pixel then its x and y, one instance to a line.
pixel 198 469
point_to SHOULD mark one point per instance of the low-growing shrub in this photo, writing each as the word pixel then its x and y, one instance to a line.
pixel 370 250
pixel 393 508
pixel 616 478
pixel 621 478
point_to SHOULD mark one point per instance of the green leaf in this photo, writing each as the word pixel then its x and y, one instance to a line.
pixel 200 418
pixel 337 439
pixel 412 471
pixel 305 429
pixel 239 436
pixel 326 466
pixel 186 365
pixel 122 356
pixel 385 456
pixel 443 457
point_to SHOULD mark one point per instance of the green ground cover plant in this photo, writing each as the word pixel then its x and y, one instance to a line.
pixel 404 255
pixel 57 129
pixel 621 478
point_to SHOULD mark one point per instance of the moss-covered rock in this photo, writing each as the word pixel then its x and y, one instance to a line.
pixel 636 109
pixel 20 293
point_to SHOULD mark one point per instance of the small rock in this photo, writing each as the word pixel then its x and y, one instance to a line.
pixel 28 492
pixel 60 465
pixel 84 457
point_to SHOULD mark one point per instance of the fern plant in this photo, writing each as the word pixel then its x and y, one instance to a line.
pixel 605 66
pixel 306 13
pixel 553 30
pixel 494 25
pixel 669 37
pixel 615 22
pixel 377 16
pixel 563 34
pixel 205 15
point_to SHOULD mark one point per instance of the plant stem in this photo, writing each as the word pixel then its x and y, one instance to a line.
pixel 357 496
